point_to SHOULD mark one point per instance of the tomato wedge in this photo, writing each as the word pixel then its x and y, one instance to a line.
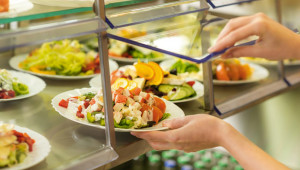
pixel 160 104
pixel 157 114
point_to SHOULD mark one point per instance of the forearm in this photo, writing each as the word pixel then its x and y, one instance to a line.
pixel 295 47
pixel 247 153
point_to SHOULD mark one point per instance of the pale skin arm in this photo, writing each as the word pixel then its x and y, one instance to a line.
pixel 275 41
pixel 197 132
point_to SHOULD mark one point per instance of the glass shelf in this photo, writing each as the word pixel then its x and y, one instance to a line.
pixel 44 11
pixel 41 11
pixel 50 31
pixel 156 10
pixel 179 36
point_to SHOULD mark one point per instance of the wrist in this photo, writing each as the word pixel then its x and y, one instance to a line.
pixel 296 44
pixel 225 132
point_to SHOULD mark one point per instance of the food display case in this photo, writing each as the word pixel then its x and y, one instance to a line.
pixel 187 25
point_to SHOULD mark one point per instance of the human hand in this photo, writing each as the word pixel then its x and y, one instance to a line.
pixel 275 41
pixel 190 133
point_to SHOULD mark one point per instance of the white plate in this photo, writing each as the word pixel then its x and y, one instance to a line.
pixel 198 87
pixel 15 7
pixel 41 149
pixel 14 63
pixel 171 108
pixel 35 84
pixel 259 73
pixel 134 60
pixel 271 63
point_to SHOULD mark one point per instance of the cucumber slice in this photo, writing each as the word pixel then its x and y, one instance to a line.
pixel 180 93
pixel 190 89
pixel 166 88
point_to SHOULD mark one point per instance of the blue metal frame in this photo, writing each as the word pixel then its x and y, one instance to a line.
pixel 210 2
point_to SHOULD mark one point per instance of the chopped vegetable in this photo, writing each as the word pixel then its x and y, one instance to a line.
pixel 20 89
pixel 15 146
pixel 131 109
pixel 10 86
pixel 63 103
pixel 89 95
pixel 165 116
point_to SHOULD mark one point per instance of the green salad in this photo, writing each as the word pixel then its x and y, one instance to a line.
pixel 64 57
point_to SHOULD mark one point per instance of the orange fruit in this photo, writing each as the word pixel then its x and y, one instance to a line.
pixel 121 82
pixel 158 74
pixel 144 70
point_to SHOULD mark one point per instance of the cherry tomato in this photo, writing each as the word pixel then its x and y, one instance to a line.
pixel 233 71
pixel 221 72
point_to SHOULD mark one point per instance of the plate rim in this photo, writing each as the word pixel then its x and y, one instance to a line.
pixel 60 77
pixel 43 86
pixel 46 146
pixel 55 105
pixel 271 63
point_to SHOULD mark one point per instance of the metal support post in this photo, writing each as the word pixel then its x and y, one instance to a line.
pixel 207 73
pixel 105 78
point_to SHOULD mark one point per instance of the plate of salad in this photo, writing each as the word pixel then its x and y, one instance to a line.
pixel 225 72
pixel 21 148
pixel 133 110
pixel 64 59
pixel 16 85
pixel 127 53
pixel 152 79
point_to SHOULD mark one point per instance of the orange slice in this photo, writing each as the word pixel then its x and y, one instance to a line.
pixel 144 70
pixel 158 74
pixel 121 82
pixel 132 85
